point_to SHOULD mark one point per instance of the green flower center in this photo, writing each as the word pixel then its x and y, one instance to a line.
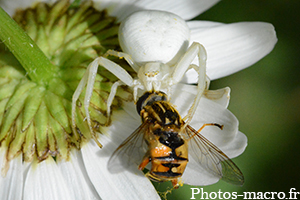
pixel 35 119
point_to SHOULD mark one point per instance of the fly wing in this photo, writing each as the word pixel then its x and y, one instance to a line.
pixel 131 151
pixel 212 159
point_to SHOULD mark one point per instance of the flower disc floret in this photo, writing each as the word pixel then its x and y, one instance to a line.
pixel 35 117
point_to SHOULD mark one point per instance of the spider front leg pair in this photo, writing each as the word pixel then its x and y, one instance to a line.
pixel 184 64
pixel 152 76
pixel 88 80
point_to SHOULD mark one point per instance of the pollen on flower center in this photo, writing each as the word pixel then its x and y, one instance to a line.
pixel 36 120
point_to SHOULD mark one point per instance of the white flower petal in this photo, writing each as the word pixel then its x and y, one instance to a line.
pixel 124 123
pixel 220 96
pixel 10 6
pixel 237 146
pixel 45 181
pixel 186 9
pixel 124 185
pixel 232 47
pixel 74 173
pixel 11 183
pixel 197 26
pixel 116 8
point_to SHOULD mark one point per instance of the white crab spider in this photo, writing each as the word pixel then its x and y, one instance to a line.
pixel 155 44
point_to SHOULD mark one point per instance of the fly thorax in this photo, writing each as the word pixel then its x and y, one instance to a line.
pixel 147 99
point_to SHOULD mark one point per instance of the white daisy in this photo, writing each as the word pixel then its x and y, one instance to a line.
pixel 44 162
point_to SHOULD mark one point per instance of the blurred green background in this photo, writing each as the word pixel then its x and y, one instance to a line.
pixel 265 98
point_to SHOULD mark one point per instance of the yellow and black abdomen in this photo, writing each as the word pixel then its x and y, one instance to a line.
pixel 168 154
pixel 168 167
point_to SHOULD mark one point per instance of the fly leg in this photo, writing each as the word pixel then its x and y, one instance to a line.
pixel 144 163
pixel 210 124
pixel 203 126
pixel 176 183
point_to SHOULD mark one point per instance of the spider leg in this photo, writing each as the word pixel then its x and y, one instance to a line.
pixel 111 96
pixel 121 55
pixel 88 80
pixel 184 64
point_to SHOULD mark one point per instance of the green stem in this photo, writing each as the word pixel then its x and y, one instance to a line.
pixel 33 60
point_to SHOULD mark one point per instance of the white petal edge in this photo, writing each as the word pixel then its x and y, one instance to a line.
pixel 76 177
pixel 231 47
pixel 237 146
pixel 196 26
pixel 124 185
pixel 186 9
pixel 219 96
pixel 10 6
pixel 45 181
pixel 11 183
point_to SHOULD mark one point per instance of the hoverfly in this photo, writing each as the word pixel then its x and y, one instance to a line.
pixel 165 140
